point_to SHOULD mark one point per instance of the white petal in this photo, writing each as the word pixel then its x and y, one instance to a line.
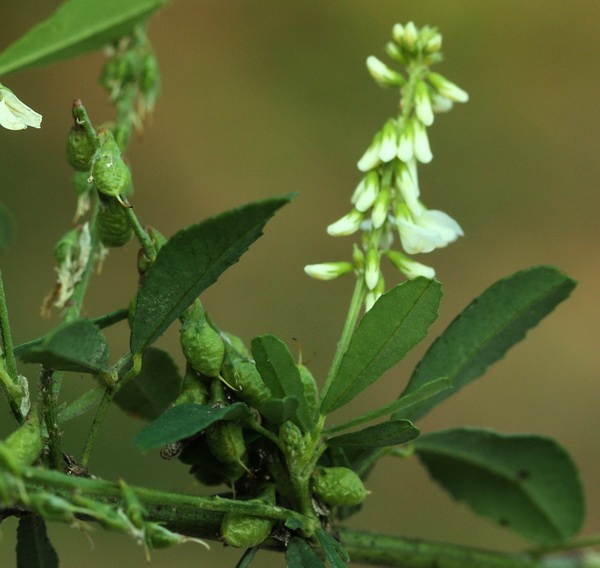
pixel 328 270
pixel 448 229
pixel 369 193
pixel 347 225
pixel 421 147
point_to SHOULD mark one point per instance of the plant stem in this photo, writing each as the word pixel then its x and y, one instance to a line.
pixel 95 429
pixel 575 544
pixel 358 297
pixel 145 241
pixel 51 418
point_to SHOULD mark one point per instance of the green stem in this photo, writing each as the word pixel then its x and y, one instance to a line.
pixel 51 419
pixel 82 118
pixel 10 362
pixel 95 429
pixel 145 241
pixel 575 544
pixel 356 303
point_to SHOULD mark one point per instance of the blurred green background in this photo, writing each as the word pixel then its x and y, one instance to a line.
pixel 267 97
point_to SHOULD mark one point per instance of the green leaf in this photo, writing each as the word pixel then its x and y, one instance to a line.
pixel 524 482
pixel 190 262
pixel 278 370
pixel 185 420
pixel 398 406
pixel 394 325
pixel 34 549
pixel 299 554
pixel 390 433
pixel 76 346
pixel 149 394
pixel 487 329
pixel 278 410
pixel 334 552
pixel 76 27
pixel 82 404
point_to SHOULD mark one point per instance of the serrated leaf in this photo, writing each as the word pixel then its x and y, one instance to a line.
pixel 76 27
pixel 151 392
pixel 185 420
pixel 278 370
pixel 190 262
pixel 76 346
pixel 398 406
pixel 278 410
pixel 34 549
pixel 334 552
pixel 394 325
pixel 390 433
pixel 299 554
pixel 487 329
pixel 524 482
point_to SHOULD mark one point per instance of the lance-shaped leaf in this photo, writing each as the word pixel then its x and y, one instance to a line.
pixel 278 370
pixel 185 420
pixel 34 549
pixel 334 552
pixel 76 27
pixel 151 392
pixel 524 482
pixel 190 262
pixel 76 346
pixel 82 404
pixel 487 329
pixel 390 433
pixel 394 325
pixel 299 554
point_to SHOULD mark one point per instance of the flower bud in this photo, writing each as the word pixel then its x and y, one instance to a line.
pixel 328 270
pixel 395 53
pixel 347 225
pixel 447 88
pixel 380 208
pixel 423 108
pixel 421 147
pixel 383 75
pixel 434 43
pixel 410 35
pixel 369 192
pixel 406 143
pixel 389 141
pixel 398 33
pixel 370 159
pixel 409 267
pixel 372 268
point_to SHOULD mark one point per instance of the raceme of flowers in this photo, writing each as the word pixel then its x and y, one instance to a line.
pixel 14 114
pixel 386 202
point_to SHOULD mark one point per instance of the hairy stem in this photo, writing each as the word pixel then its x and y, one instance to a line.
pixel 49 413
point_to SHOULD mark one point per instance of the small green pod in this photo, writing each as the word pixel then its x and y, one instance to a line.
pixel 338 486
pixel 237 343
pixel 110 173
pixel 80 149
pixel 242 375
pixel 25 443
pixel 311 391
pixel 245 531
pixel 226 441
pixel 113 227
pixel 202 346
pixel 193 389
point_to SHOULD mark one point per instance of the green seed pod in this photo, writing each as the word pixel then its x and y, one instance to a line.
pixel 311 391
pixel 109 171
pixel 113 227
pixel 202 346
pixel 80 149
pixel 67 247
pixel 194 388
pixel 150 81
pixel 338 486
pixel 246 531
pixel 226 441
pixel 237 343
pixel 241 374
pixel 25 443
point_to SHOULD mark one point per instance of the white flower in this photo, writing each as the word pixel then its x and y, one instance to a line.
pixel 421 145
pixel 440 104
pixel 410 34
pixel 372 268
pixel 427 231
pixel 409 267
pixel 389 142
pixel 408 186
pixel 383 75
pixel 423 108
pixel 447 88
pixel 15 115
pixel 370 158
pixel 347 225
pixel 328 270
pixel 380 208
pixel 406 143
pixel 369 192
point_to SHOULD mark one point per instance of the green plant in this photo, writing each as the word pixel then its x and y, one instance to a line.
pixel 254 420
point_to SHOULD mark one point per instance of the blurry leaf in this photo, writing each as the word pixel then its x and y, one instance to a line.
pixel 390 433
pixel 278 410
pixel 299 554
pixel 278 370
pixel 77 26
pixel 76 346
pixel 190 262
pixel 394 325
pixel 34 549
pixel 524 482
pixel 7 227
pixel 487 329
pixel 82 404
pixel 334 552
pixel 185 420
pixel 398 406
pixel 149 394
